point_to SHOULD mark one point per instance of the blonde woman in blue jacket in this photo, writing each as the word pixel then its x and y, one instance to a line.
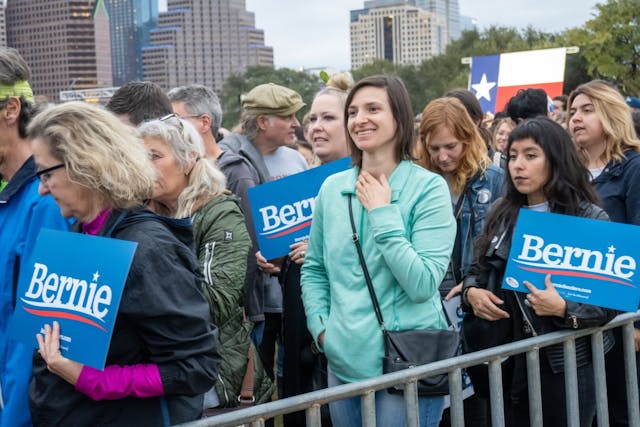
pixel 405 223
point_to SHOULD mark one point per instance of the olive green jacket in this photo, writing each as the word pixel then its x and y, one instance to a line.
pixel 223 244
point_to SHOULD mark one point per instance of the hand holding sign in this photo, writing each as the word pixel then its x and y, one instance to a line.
pixel 49 349
pixel 546 302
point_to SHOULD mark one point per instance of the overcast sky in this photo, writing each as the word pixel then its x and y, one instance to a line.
pixel 315 34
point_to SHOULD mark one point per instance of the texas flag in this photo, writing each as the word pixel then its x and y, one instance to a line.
pixel 496 78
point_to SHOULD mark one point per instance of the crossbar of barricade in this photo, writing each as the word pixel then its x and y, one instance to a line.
pixel 312 402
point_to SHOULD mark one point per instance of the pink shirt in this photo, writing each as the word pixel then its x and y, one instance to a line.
pixel 117 382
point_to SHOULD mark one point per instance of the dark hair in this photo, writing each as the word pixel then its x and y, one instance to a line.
pixel 13 68
pixel 472 105
pixel 563 99
pixel 567 188
pixel 402 113
pixel 527 104
pixel 141 101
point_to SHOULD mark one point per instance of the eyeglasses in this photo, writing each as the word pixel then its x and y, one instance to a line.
pixel 176 120
pixel 45 174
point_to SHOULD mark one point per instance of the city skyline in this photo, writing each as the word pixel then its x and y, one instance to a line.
pixel 318 36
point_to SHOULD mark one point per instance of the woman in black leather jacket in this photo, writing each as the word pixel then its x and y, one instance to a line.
pixel 544 174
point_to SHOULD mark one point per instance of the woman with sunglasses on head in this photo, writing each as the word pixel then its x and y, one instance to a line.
pixel 544 174
pixel 406 232
pixel 162 355
pixel 601 126
pixel 188 185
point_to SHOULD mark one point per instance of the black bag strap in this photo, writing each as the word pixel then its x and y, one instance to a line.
pixel 365 270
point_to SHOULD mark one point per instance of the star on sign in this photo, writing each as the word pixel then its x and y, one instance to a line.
pixel 96 275
pixel 483 89
pixel 612 249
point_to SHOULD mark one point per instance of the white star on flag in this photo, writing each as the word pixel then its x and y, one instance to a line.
pixel 483 88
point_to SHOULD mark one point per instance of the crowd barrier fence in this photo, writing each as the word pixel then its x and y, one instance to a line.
pixel 312 402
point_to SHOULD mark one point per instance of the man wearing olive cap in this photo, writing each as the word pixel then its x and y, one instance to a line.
pixel 23 212
pixel 267 127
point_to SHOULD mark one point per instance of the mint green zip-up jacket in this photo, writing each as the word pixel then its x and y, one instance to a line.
pixel 407 246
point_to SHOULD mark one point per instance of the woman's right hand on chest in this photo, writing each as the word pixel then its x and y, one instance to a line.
pixel 485 304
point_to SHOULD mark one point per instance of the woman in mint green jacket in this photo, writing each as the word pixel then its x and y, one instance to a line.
pixel 405 224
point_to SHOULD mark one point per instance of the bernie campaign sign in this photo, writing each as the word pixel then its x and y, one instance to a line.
pixel 494 79
pixel 590 261
pixel 282 209
pixel 77 280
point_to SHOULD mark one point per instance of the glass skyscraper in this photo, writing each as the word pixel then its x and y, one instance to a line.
pixel 131 22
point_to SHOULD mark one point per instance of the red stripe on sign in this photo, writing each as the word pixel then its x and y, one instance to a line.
pixel 576 274
pixel 63 315
pixel 291 230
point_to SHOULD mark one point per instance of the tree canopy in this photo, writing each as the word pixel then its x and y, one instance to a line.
pixel 609 49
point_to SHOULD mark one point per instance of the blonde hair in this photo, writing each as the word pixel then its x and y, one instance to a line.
pixel 338 85
pixel 450 113
pixel 614 115
pixel 496 129
pixel 206 181
pixel 99 152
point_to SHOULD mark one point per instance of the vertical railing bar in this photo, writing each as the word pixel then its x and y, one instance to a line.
pixel 571 383
pixel 600 380
pixel 630 371
pixel 497 399
pixel 312 416
pixel 535 388
pixel 368 408
pixel 455 397
pixel 411 403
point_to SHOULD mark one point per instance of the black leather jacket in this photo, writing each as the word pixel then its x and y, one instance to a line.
pixel 526 323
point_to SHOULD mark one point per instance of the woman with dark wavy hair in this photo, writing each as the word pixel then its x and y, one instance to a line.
pixel 544 174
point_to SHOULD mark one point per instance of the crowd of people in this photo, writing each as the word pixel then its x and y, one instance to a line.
pixel 206 324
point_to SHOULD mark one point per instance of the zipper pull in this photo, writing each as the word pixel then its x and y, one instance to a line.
pixel 574 321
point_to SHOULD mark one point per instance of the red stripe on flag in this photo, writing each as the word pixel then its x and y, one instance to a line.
pixel 505 93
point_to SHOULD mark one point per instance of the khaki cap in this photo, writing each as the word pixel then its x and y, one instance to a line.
pixel 272 99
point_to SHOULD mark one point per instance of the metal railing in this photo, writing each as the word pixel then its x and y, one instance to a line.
pixel 311 402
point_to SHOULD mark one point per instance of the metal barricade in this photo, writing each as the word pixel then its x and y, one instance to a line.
pixel 311 402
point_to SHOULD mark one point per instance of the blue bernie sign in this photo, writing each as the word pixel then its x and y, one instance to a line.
pixel 76 280
pixel 282 209
pixel 590 261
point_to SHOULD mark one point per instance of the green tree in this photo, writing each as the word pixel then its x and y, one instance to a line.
pixel 307 85
pixel 610 43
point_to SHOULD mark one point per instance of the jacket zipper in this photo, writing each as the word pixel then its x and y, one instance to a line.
pixel 209 248
pixel 526 318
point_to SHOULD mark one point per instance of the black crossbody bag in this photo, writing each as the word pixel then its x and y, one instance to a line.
pixel 410 348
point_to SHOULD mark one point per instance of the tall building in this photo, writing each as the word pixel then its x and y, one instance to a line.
pixel 60 40
pixel 400 33
pixel 203 42
pixel 3 23
pixel 130 22
pixel 448 9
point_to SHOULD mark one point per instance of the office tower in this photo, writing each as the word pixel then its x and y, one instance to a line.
pixel 400 33
pixel 203 42
pixel 65 42
pixel 130 22
pixel 447 8
pixel 3 24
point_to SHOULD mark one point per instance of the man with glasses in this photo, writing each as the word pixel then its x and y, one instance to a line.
pixel 23 212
